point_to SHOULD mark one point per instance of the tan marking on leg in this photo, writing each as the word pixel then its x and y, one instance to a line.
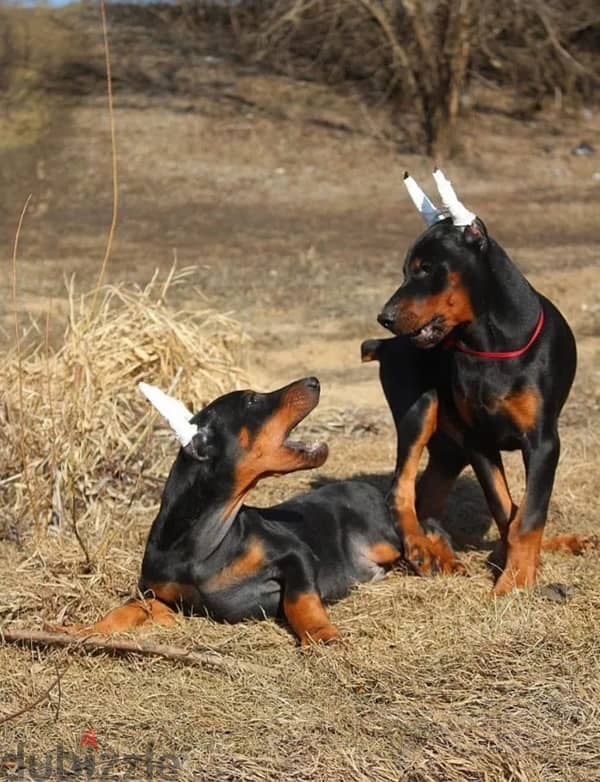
pixel 506 500
pixel 126 618
pixel 405 494
pixel 424 553
pixel 309 619
pixel 522 561
pixel 444 557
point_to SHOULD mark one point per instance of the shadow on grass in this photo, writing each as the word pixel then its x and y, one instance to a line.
pixel 467 519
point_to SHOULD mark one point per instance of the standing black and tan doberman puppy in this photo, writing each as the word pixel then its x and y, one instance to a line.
pixel 209 554
pixel 483 363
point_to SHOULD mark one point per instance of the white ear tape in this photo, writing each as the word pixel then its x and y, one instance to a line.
pixel 428 211
pixel 175 412
pixel 461 216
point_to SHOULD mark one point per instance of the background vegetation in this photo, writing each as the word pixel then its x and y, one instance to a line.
pixel 419 59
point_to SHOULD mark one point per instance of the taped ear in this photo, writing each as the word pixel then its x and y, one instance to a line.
pixel 476 235
pixel 421 200
pixel 197 446
pixel 461 216
pixel 175 412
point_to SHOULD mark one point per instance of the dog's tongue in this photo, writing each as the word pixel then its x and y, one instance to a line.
pixel 308 448
pixel 428 335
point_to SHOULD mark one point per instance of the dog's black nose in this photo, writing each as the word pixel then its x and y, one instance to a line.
pixel 313 382
pixel 386 320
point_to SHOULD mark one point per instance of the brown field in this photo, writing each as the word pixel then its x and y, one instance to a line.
pixel 287 200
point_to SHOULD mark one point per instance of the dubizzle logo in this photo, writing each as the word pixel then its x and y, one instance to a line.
pixel 93 763
pixel 89 739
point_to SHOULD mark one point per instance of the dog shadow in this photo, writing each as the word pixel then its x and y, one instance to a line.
pixel 467 519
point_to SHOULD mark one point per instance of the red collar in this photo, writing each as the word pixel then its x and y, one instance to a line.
pixel 451 342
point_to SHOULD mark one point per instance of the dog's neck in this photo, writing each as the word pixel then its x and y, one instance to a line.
pixel 507 307
pixel 207 508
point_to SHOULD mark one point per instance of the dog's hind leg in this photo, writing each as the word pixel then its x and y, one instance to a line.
pixel 489 470
pixel 446 462
pixel 525 531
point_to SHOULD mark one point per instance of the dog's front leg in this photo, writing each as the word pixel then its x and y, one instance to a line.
pixel 525 531
pixel 427 553
pixel 302 603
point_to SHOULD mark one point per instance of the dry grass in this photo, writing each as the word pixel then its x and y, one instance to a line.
pixel 81 404
pixel 434 682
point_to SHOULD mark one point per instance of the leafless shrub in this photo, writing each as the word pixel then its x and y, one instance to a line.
pixel 539 47
pixel 419 56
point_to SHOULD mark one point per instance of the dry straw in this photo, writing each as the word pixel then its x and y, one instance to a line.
pixel 77 414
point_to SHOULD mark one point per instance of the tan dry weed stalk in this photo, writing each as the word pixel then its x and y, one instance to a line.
pixel 82 422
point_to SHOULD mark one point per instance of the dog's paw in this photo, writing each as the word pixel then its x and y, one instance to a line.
pixel 328 634
pixel 77 631
pixel 431 554
pixel 510 579
pixel 571 544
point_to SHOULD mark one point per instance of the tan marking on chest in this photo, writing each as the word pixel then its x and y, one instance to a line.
pixel 243 567
pixel 522 408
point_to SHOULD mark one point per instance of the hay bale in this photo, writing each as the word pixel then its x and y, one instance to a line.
pixel 75 424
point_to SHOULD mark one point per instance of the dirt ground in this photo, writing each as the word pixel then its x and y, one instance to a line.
pixel 298 230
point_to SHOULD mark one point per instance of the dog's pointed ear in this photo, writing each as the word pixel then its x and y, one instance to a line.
pixel 476 235
pixel 197 446
pixel 175 412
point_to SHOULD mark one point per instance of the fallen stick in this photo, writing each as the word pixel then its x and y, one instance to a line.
pixel 179 653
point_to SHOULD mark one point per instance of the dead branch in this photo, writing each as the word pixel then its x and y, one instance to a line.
pixel 94 644
pixel 385 23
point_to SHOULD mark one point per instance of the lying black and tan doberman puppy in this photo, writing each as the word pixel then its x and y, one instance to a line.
pixel 483 363
pixel 209 554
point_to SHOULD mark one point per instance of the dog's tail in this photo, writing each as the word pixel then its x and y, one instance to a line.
pixel 370 349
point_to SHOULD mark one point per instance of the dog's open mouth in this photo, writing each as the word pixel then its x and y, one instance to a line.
pixel 431 333
pixel 314 453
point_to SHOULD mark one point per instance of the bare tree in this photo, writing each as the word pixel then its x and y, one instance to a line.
pixel 415 51
pixel 417 55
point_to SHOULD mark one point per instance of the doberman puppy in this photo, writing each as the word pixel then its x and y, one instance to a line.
pixel 208 553
pixel 482 363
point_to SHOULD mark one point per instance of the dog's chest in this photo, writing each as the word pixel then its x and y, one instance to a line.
pixel 488 408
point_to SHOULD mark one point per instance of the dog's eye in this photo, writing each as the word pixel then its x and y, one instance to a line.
pixel 251 399
pixel 424 269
